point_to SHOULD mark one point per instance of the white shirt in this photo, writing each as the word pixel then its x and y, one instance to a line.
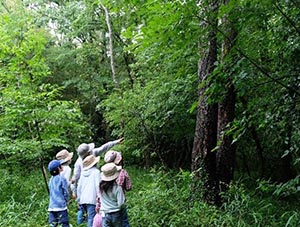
pixel 66 173
pixel 88 186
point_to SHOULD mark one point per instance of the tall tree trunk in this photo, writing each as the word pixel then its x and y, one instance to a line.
pixel 226 111
pixel 226 150
pixel 203 159
pixel 111 49
pixel 255 137
pixel 287 171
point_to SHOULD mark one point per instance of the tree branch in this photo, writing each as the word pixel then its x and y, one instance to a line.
pixel 5 7
pixel 255 63
pixel 287 18
pixel 258 66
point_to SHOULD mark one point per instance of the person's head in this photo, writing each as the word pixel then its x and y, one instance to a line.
pixel 113 156
pixel 109 174
pixel 54 167
pixel 110 171
pixel 64 156
pixel 89 162
pixel 85 149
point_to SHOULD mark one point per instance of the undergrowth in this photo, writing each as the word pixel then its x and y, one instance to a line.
pixel 158 198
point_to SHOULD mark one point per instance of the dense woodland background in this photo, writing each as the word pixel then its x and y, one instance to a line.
pixel 204 92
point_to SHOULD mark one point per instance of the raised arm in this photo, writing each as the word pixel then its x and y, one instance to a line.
pixel 99 150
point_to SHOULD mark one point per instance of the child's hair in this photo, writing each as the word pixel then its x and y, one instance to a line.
pixel 106 186
pixel 55 171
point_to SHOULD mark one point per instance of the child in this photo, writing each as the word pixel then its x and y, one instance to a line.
pixel 116 157
pixel 59 195
pixel 123 179
pixel 66 158
pixel 111 196
pixel 88 186
pixel 83 151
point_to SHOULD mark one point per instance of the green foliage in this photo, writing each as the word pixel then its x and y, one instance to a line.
pixel 158 198
pixel 166 200
pixel 48 80
pixel 264 72
pixel 20 203
pixel 78 55
pixel 33 118
pixel 145 117
pixel 156 45
pixel 249 208
pixel 24 199
pixel 153 113
pixel 289 190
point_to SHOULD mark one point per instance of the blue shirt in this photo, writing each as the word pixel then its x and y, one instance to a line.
pixel 59 194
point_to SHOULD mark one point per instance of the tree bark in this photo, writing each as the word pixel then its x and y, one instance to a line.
pixel 226 112
pixel 205 138
pixel 226 150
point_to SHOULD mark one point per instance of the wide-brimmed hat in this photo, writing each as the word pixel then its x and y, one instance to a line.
pixel 89 162
pixel 85 149
pixel 53 165
pixel 110 171
pixel 64 156
pixel 113 156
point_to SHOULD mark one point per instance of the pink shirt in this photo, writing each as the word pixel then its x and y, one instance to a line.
pixel 124 180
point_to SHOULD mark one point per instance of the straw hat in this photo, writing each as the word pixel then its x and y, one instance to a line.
pixel 85 149
pixel 89 162
pixel 113 156
pixel 64 156
pixel 110 171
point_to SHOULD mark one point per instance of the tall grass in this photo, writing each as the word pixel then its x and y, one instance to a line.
pixel 158 198
pixel 165 199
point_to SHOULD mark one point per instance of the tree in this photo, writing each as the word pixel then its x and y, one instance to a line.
pixel 154 110
pixel 35 122
pixel 226 106
pixel 205 139
pixel 267 86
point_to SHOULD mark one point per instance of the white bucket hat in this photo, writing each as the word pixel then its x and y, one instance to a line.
pixel 85 149
pixel 110 171
pixel 89 162
pixel 64 156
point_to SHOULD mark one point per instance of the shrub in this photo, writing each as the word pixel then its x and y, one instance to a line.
pixel 158 198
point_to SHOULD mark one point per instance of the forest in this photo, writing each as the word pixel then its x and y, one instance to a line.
pixel 206 95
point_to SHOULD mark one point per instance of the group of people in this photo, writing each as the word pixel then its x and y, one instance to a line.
pixel 100 195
